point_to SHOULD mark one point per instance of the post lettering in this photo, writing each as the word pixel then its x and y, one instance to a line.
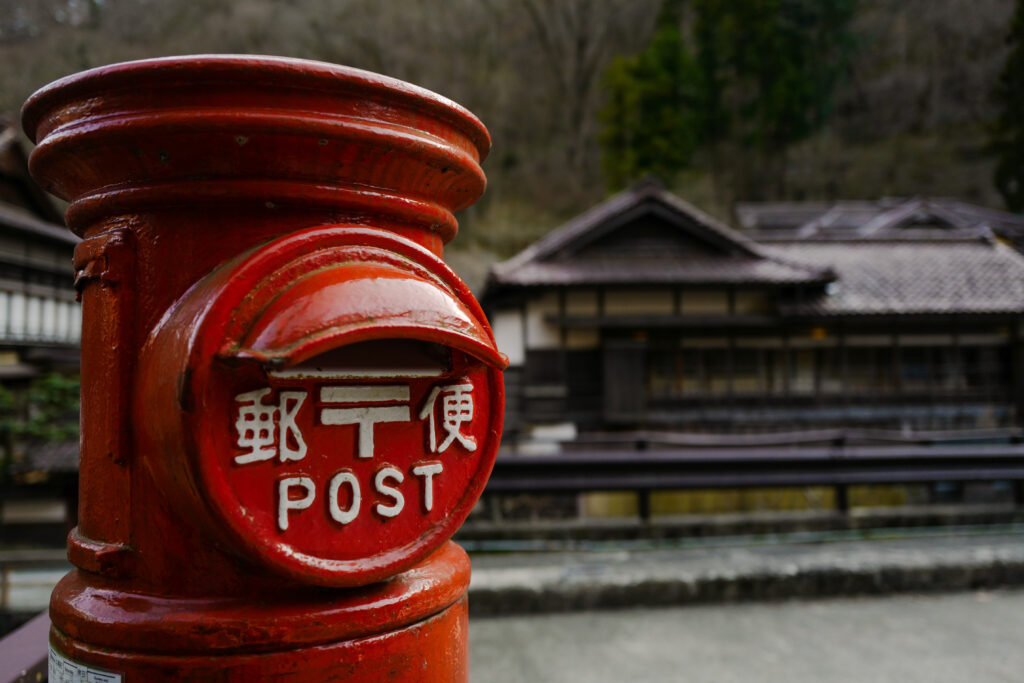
pixel 427 470
pixel 390 491
pixel 337 514
pixel 285 501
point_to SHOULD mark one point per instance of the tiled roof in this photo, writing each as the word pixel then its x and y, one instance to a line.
pixel 17 190
pixel 728 257
pixel 912 277
pixel 661 271
pixel 878 258
pixel 926 217
pixel 13 218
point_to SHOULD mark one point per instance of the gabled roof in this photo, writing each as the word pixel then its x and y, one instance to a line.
pixel 928 218
pixel 897 256
pixel 24 207
pixel 647 235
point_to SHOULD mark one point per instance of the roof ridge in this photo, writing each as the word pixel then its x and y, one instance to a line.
pixel 619 203
pixel 20 218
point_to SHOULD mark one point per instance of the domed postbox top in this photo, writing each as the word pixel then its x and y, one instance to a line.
pixel 257 131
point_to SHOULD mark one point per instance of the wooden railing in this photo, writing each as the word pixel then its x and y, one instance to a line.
pixel 646 461
pixel 23 652
pixel 26 579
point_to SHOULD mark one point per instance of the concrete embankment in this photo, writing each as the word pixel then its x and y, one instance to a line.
pixel 730 570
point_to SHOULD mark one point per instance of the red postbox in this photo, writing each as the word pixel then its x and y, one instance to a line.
pixel 289 402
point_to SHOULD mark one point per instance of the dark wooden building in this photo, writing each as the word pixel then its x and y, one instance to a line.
pixel 645 313
pixel 40 321
pixel 40 326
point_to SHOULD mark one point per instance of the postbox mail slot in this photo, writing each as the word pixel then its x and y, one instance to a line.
pixel 380 358
pixel 337 404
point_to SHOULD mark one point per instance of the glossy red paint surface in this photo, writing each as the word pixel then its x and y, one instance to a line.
pixel 258 229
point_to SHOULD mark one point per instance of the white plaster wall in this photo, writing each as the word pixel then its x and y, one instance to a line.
pixel 76 323
pixel 508 332
pixel 27 316
pixel 541 334
pixel 63 319
pixel 49 322
pixel 801 379
pixel 17 314
pixel 33 316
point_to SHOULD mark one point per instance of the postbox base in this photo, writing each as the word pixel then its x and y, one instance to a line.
pixel 412 628
pixel 432 650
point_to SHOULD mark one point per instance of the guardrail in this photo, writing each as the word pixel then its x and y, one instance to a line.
pixel 647 461
pixel 27 577
pixel 23 653
pixel 852 436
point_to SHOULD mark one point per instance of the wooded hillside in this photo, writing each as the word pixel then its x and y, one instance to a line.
pixel 909 116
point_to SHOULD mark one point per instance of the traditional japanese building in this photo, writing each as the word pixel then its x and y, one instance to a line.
pixel 39 319
pixel 40 324
pixel 645 313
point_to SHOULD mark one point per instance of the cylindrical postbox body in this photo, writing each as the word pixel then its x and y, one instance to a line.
pixel 289 402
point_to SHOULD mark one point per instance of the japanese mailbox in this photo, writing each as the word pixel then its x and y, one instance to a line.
pixel 290 402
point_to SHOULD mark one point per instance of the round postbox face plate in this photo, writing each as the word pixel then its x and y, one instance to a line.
pixel 340 404
pixel 346 470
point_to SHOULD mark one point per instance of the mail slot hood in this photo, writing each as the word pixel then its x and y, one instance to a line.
pixel 326 287
pixel 358 301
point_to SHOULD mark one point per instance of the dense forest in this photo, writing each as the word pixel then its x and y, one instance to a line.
pixel 724 99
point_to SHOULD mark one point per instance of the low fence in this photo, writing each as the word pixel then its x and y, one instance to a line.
pixel 23 653
pixel 26 579
pixel 646 461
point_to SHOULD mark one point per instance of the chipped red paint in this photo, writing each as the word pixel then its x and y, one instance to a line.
pixel 290 402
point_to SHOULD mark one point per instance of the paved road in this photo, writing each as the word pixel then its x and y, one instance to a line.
pixel 967 637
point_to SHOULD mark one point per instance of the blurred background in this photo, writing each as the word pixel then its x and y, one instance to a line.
pixel 725 101
pixel 756 265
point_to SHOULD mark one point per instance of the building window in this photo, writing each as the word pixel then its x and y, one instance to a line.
pixel 750 370
pixel 712 372
pixel 869 370
pixel 686 372
pixel 986 368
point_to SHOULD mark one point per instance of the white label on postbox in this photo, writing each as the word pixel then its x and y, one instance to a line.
pixel 63 670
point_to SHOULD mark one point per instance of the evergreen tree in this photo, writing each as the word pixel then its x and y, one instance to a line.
pixel 651 113
pixel 1008 132
pixel 53 407
pixel 759 78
